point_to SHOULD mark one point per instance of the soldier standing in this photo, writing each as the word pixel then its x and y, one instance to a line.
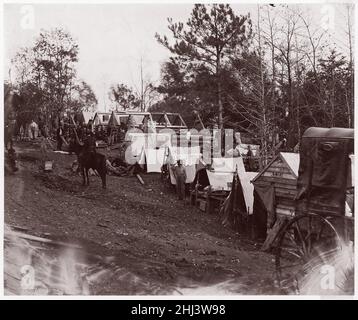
pixel 180 177
pixel 60 135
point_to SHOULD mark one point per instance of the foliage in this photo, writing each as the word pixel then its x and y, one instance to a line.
pixel 123 97
pixel 211 34
pixel 274 79
pixel 46 78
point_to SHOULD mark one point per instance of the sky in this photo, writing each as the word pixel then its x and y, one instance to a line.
pixel 112 38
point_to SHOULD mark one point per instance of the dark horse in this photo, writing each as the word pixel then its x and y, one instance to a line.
pixel 89 160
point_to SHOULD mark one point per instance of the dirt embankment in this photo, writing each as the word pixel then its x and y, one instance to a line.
pixel 151 242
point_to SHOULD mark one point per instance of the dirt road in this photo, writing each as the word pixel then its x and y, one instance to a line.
pixel 142 240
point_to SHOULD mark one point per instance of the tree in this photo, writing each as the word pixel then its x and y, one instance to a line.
pixel 55 53
pixel 211 34
pixel 123 97
pixel 282 81
pixel 350 89
pixel 45 78
pixel 82 98
pixel 148 95
pixel 185 91
pixel 333 74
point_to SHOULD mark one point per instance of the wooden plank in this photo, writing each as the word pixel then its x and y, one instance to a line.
pixel 280 169
pixel 286 202
pixel 285 186
pixel 285 212
pixel 40 239
pixel 283 206
pixel 278 166
pixel 288 194
pixel 285 190
pixel 273 233
pixel 283 175
pixel 280 179
pixel 140 179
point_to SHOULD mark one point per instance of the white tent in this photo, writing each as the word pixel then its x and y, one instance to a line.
pixel 248 189
pixel 101 118
pixel 222 173
pixel 85 116
pixel 190 156
pixel 154 159
pixel 147 148
pixel 117 118
pixel 228 164
pixel 293 161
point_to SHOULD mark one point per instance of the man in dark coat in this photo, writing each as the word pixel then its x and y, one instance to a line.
pixel 60 135
pixel 90 145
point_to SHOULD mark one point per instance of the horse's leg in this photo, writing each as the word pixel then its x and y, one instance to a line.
pixel 87 176
pixel 102 174
pixel 79 167
pixel 83 171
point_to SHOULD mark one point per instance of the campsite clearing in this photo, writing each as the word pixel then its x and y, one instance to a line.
pixel 141 239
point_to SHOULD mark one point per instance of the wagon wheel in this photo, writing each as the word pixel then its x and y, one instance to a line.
pixel 302 239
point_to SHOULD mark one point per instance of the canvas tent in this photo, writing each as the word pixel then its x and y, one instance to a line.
pixel 139 119
pixel 190 157
pixel 234 209
pixel 117 118
pixel 84 117
pixel 221 175
pixel 101 118
pixel 147 149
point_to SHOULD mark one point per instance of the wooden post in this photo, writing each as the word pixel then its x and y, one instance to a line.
pixel 208 202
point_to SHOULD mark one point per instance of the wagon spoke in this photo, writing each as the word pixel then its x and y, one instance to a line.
pixel 291 265
pixel 319 234
pixel 293 252
pixel 301 238
pixel 291 244
pixel 309 233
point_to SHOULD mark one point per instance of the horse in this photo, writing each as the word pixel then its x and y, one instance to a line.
pixel 89 160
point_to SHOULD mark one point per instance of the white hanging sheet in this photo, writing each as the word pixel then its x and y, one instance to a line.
pixel 155 159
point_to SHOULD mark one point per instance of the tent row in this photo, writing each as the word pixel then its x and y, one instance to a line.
pixel 153 152
pixel 257 199
pixel 133 119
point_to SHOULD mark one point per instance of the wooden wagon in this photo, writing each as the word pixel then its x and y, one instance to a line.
pixel 321 226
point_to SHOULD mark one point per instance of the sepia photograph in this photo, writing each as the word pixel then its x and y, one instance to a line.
pixel 178 149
